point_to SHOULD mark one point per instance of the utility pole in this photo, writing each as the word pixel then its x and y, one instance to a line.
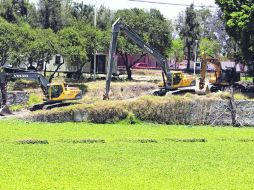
pixel 95 51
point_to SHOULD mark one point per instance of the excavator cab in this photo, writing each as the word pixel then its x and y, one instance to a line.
pixel 177 79
pixel 55 91
pixel 60 92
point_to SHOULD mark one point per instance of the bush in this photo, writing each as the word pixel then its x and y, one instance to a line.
pixel 34 99
pixel 104 112
pixel 189 109
pixel 172 110
pixel 16 108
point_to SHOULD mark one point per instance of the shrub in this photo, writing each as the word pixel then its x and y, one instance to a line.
pixel 188 109
pixel 17 107
pixel 103 112
pixel 34 99
pixel 172 110
pixel 107 113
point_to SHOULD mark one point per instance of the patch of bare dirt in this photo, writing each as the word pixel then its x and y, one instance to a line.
pixel 17 115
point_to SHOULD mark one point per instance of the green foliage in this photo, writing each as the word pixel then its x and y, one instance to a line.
pixel 239 18
pixel 189 30
pixel 207 27
pixel 107 113
pixel 151 26
pixel 42 45
pixel 73 46
pixel 177 50
pixel 9 40
pixel 34 99
pixel 217 163
pixel 131 119
pixel 17 107
pixel 14 11
pixel 211 47
pixel 50 14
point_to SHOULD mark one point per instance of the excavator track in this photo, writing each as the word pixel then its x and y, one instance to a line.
pixel 50 105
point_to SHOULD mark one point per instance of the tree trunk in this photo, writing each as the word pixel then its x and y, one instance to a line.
pixel 79 71
pixel 46 17
pixel 45 70
pixel 129 73
pixel 188 57
pixel 125 62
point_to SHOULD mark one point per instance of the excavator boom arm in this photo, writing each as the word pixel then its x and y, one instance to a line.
pixel 215 62
pixel 14 73
pixel 116 27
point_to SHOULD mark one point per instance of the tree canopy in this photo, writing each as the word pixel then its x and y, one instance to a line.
pixel 189 31
pixel 31 33
pixel 239 19
pixel 150 26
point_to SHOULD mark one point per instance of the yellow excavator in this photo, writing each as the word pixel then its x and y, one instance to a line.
pixel 220 79
pixel 179 80
pixel 172 80
pixel 56 94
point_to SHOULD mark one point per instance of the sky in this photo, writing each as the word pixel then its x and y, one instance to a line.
pixel 169 11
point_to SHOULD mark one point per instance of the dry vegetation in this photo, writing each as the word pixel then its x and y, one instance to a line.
pixel 169 110
pixel 129 100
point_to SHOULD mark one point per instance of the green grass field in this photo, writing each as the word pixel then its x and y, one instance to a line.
pixel 143 156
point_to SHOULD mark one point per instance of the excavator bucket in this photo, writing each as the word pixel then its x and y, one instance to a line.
pixel 5 111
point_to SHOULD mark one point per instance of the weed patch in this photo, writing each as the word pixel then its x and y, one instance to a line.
pixel 147 141
pixel 186 140
pixel 31 141
pixel 246 140
pixel 88 141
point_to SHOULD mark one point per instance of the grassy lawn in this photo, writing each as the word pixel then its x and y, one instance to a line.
pixel 144 156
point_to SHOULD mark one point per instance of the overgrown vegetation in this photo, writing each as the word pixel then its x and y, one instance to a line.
pixel 170 110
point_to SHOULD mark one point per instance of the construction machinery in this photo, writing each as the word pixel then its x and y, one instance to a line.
pixel 171 80
pixel 221 79
pixel 56 94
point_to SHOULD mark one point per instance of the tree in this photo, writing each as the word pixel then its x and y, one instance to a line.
pixel 50 14
pixel 83 12
pixel 189 31
pixel 33 18
pixel 177 50
pixel 14 10
pixel 206 20
pixel 42 44
pixel 151 26
pixel 9 40
pixel 239 18
pixel 73 47
pixel 211 47
pixel 104 18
